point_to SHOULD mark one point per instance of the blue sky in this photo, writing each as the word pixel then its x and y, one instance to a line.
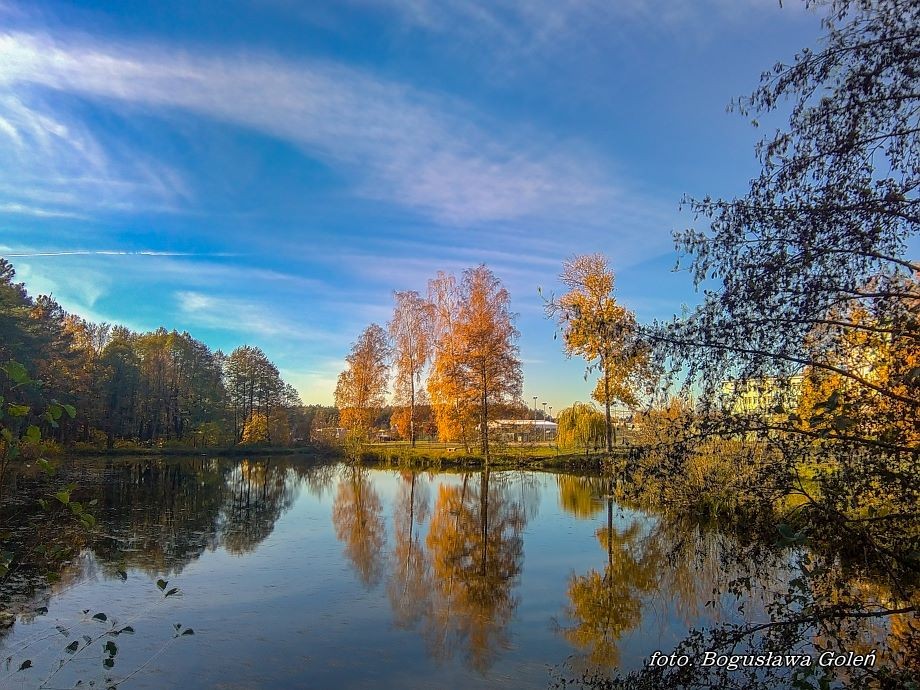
pixel 268 172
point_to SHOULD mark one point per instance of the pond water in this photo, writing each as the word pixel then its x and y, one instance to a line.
pixel 294 574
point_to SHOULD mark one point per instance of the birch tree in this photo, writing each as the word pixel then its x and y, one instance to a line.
pixel 410 333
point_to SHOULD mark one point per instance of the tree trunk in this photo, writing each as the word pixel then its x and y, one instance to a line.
pixel 412 410
pixel 607 408
pixel 484 423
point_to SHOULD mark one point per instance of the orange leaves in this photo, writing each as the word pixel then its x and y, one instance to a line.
pixel 361 388
pixel 475 362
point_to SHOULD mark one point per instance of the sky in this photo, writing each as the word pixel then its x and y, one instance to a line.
pixel 270 171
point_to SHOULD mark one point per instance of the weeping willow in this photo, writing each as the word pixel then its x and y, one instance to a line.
pixel 580 426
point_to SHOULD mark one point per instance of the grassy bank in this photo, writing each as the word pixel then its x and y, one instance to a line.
pixel 320 449
pixel 456 456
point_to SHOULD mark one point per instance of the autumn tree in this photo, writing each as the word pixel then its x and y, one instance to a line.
pixel 601 331
pixel 410 332
pixel 361 388
pixel 254 385
pixel 488 369
pixel 580 426
pixel 256 429
pixel 139 387
pixel 452 408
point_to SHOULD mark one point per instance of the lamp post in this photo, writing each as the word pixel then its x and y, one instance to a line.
pixel 544 421
pixel 550 411
pixel 533 435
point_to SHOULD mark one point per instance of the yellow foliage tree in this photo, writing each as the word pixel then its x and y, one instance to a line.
pixel 256 428
pixel 486 367
pixel 580 426
pixel 452 410
pixel 361 388
pixel 601 331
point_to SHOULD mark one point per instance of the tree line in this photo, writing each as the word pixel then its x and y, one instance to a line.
pixel 146 388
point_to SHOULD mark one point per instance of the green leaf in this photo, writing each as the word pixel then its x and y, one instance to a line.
pixel 172 591
pixel 71 411
pixel 15 410
pixel 72 647
pixel 88 520
pixel 25 664
pixel 110 648
pixel 33 433
pixel 63 496
pixel 127 630
pixel 16 372
pixel 45 466
pixel 109 662
pixel 162 584
pixel 100 617
pixel 188 631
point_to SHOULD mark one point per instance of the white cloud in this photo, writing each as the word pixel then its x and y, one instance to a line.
pixel 419 150
pixel 38 212
pixel 250 317
pixel 54 158
pixel 511 26
pixel 77 292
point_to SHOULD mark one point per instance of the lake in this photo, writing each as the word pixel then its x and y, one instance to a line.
pixel 297 574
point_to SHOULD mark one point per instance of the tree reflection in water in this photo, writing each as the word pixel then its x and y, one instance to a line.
pixel 455 584
pixel 261 491
pixel 357 515
pixel 158 515
pixel 604 607
pixel 581 496
pixel 476 551
pixel 409 586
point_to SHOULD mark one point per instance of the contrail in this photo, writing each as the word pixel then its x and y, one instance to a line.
pixel 110 252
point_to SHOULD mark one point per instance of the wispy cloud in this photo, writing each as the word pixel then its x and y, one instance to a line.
pixel 416 149
pixel 77 292
pixel 100 252
pixel 26 210
pixel 250 317
pixel 511 26
pixel 53 158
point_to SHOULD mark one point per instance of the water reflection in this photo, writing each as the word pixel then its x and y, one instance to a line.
pixel 158 516
pixel 357 514
pixel 261 491
pixel 604 606
pixel 581 496
pixel 477 553
pixel 410 580
pixel 438 562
